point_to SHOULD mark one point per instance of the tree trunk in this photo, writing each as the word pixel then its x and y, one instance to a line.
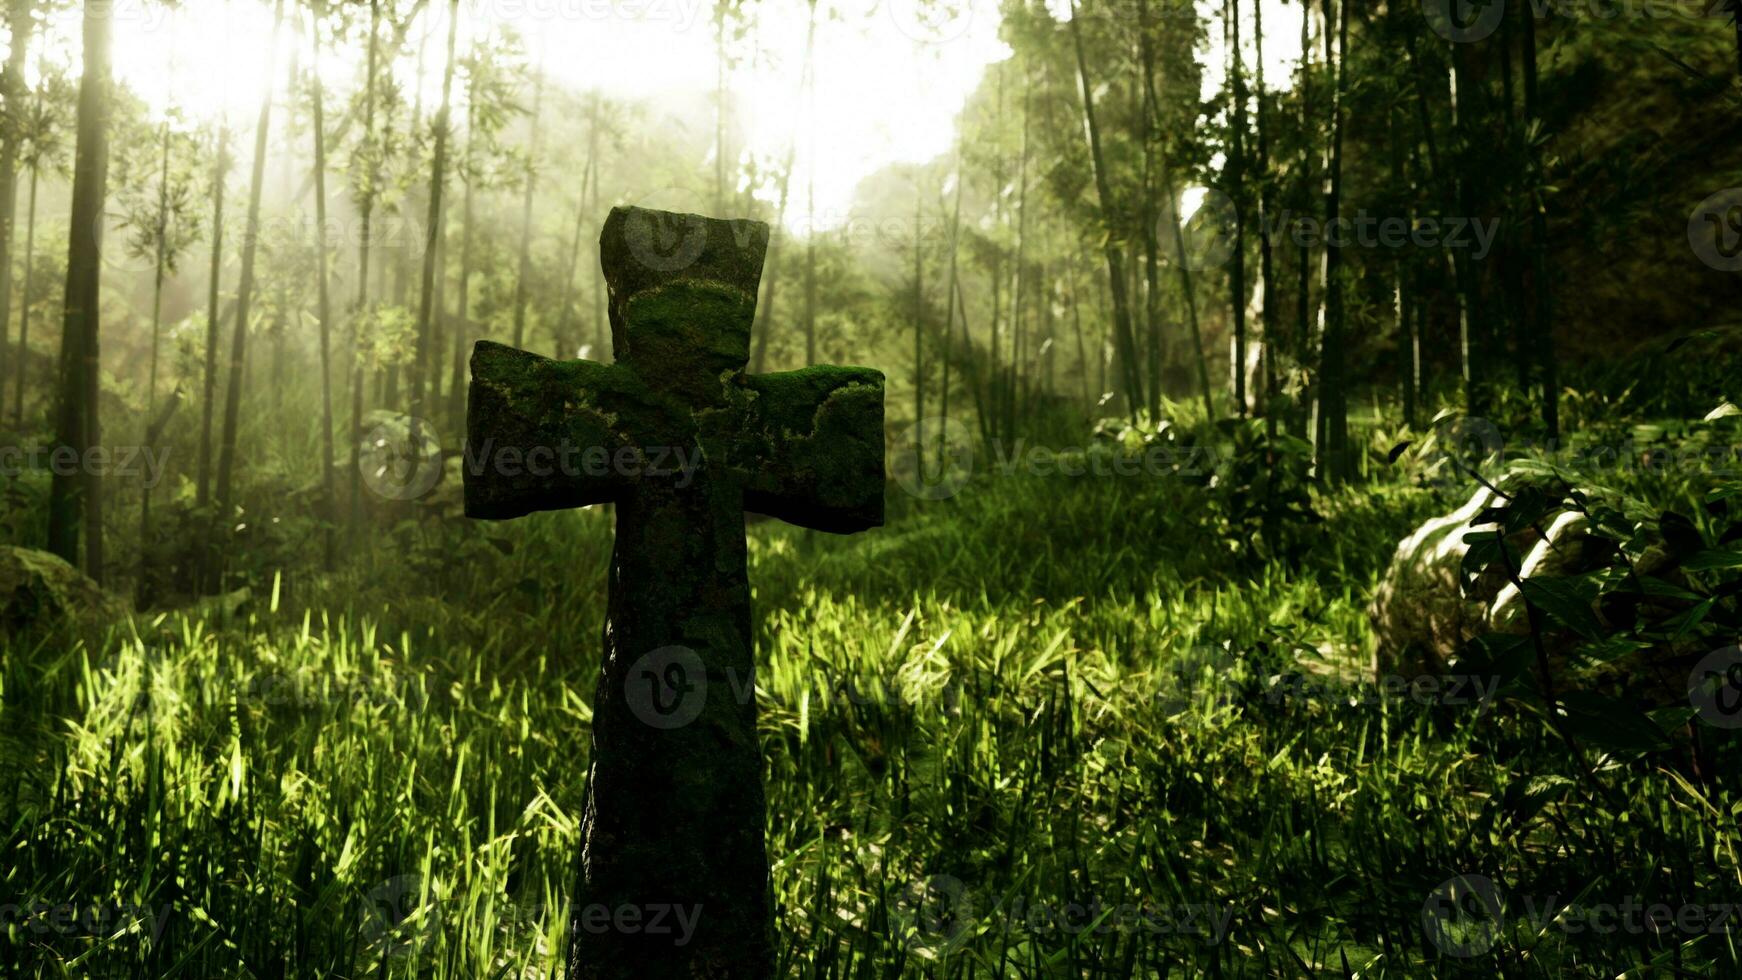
pixel 432 226
pixel 1402 296
pixel 950 301
pixel 565 340
pixel 73 497
pixel 1304 316
pixel 1266 260
pixel 525 213
pixel 1333 396
pixel 161 229
pixel 1114 254
pixel 765 309
pixel 1151 238
pixel 219 171
pixel 463 314
pixel 245 287
pixel 22 23
pixel 1543 314
pixel 1471 324
pixel 29 291
pixel 366 212
pixel 1237 184
pixel 324 304
pixel 1019 283
pixel 1186 287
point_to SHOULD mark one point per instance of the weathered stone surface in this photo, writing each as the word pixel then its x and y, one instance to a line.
pixel 39 590
pixel 1419 614
pixel 1421 618
pixel 682 442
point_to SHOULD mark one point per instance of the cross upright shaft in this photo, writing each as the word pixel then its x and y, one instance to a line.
pixel 682 441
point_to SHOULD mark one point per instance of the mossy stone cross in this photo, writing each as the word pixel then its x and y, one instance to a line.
pixel 683 441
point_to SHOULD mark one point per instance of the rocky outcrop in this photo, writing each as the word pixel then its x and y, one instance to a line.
pixel 39 590
pixel 1420 614
pixel 1423 615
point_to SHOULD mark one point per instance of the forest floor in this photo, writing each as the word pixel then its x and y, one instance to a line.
pixel 1048 726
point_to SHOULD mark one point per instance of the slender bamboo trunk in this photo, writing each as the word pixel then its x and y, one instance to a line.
pixel 1151 215
pixel 600 340
pixel 1190 292
pixel 1237 183
pixel 1114 254
pixel 432 225
pixel 220 170
pixel 1333 395
pixel 810 240
pixel 329 486
pixel 1019 287
pixel 245 286
pixel 463 310
pixel 1266 259
pixel 520 281
pixel 950 297
pixel 161 230
pixel 75 499
pixel 1470 322
pixel 29 293
pixel 1402 296
pixel 765 309
pixel 918 338
pixel 22 23
pixel 565 324
pixel 366 213
pixel 1304 315
pixel 1543 314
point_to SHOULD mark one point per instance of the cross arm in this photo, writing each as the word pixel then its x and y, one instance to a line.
pixel 543 434
pixel 818 458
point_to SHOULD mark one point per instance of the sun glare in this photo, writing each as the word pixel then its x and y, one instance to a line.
pixel 890 75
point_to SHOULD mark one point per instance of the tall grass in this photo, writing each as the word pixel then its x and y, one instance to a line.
pixel 1042 728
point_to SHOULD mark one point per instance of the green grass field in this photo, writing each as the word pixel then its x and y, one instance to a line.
pixel 1046 727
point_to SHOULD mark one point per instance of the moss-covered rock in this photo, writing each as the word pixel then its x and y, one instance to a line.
pixel 39 590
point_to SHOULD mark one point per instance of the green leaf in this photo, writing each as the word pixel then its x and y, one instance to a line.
pixel 1684 623
pixel 1567 601
pixel 1610 723
pixel 1713 558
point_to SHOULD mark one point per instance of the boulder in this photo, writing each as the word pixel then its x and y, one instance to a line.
pixel 38 589
pixel 1420 616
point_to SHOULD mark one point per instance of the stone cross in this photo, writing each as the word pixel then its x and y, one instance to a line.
pixel 674 875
